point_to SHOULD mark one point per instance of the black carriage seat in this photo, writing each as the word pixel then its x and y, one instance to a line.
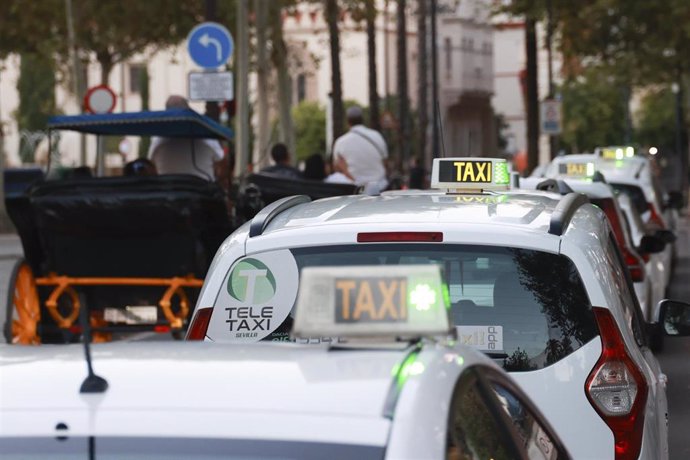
pixel 269 188
pixel 159 226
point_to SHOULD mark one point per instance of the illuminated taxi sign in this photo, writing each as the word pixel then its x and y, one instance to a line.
pixel 470 174
pixel 366 301
pixel 576 169
pixel 615 152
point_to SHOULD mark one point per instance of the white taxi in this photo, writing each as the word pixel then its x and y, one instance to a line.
pixel 634 175
pixel 536 281
pixel 406 391
pixel 642 253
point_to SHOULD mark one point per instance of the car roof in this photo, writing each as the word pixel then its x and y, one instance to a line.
pixel 287 382
pixel 528 210
pixel 629 170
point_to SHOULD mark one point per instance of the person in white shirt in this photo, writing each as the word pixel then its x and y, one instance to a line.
pixel 361 154
pixel 184 155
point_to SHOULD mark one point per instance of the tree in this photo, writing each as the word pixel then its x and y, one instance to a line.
pixel 657 119
pixel 286 132
pixel 404 108
pixel 422 88
pixel 332 13
pixel 262 86
pixel 145 141
pixel 370 15
pixel 310 120
pixel 594 112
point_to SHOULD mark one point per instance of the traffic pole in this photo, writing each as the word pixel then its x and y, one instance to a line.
pixel 242 96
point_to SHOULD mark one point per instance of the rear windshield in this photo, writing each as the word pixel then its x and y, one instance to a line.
pixel 528 309
pixel 635 194
pixel 144 448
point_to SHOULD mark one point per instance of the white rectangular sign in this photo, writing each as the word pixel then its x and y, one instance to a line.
pixel 551 119
pixel 484 338
pixel 210 86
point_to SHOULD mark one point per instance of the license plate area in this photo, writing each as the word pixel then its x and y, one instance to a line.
pixel 132 315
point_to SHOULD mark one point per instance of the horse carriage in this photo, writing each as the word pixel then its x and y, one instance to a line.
pixel 131 250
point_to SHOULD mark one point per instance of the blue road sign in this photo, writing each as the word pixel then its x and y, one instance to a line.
pixel 210 45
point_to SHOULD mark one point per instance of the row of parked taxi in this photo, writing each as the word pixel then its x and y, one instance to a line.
pixel 490 317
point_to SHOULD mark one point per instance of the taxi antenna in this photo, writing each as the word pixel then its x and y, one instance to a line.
pixel 92 383
pixel 440 125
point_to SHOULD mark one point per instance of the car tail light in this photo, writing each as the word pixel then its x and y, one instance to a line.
pixel 655 218
pixel 617 389
pixel 635 265
pixel 384 237
pixel 197 330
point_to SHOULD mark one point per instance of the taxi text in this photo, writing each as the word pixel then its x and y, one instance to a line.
pixel 465 171
pixel 371 300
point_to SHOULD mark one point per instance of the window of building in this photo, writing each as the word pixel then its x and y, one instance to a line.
pixel 301 87
pixel 135 74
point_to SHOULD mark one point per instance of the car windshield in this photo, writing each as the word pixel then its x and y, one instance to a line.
pixel 146 448
pixel 526 308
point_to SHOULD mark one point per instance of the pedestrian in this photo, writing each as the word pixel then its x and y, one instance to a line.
pixel 314 167
pixel 361 154
pixel 185 155
pixel 281 166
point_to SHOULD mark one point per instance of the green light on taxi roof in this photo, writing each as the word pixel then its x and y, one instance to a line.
pixel 422 297
pixel 501 173
pixel 590 169
pixel 460 361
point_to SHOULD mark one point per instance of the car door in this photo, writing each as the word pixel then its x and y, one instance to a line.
pixel 491 418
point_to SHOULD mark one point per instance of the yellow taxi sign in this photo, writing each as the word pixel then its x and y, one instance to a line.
pixel 579 169
pixel 620 152
pixel 366 301
pixel 470 174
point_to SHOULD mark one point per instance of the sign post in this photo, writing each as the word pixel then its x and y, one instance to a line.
pixel 210 45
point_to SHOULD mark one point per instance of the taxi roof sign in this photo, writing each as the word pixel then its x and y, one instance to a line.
pixel 366 301
pixel 577 169
pixel 471 174
pixel 619 152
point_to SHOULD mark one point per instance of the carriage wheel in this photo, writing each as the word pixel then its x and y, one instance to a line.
pixel 23 307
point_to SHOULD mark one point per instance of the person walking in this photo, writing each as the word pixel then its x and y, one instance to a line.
pixel 185 155
pixel 361 154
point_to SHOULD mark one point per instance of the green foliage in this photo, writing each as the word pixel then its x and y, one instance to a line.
pixel 593 111
pixel 657 119
pixel 36 87
pixel 310 129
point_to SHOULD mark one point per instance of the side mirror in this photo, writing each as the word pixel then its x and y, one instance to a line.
pixel 674 200
pixel 667 236
pixel 675 317
pixel 651 244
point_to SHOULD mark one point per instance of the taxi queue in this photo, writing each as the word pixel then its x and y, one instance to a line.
pixel 489 317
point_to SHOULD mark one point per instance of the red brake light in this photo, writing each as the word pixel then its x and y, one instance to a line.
pixel 617 389
pixel 385 237
pixel 655 218
pixel 635 265
pixel 197 330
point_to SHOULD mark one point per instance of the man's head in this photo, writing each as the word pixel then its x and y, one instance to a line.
pixel 176 102
pixel 280 153
pixel 355 116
